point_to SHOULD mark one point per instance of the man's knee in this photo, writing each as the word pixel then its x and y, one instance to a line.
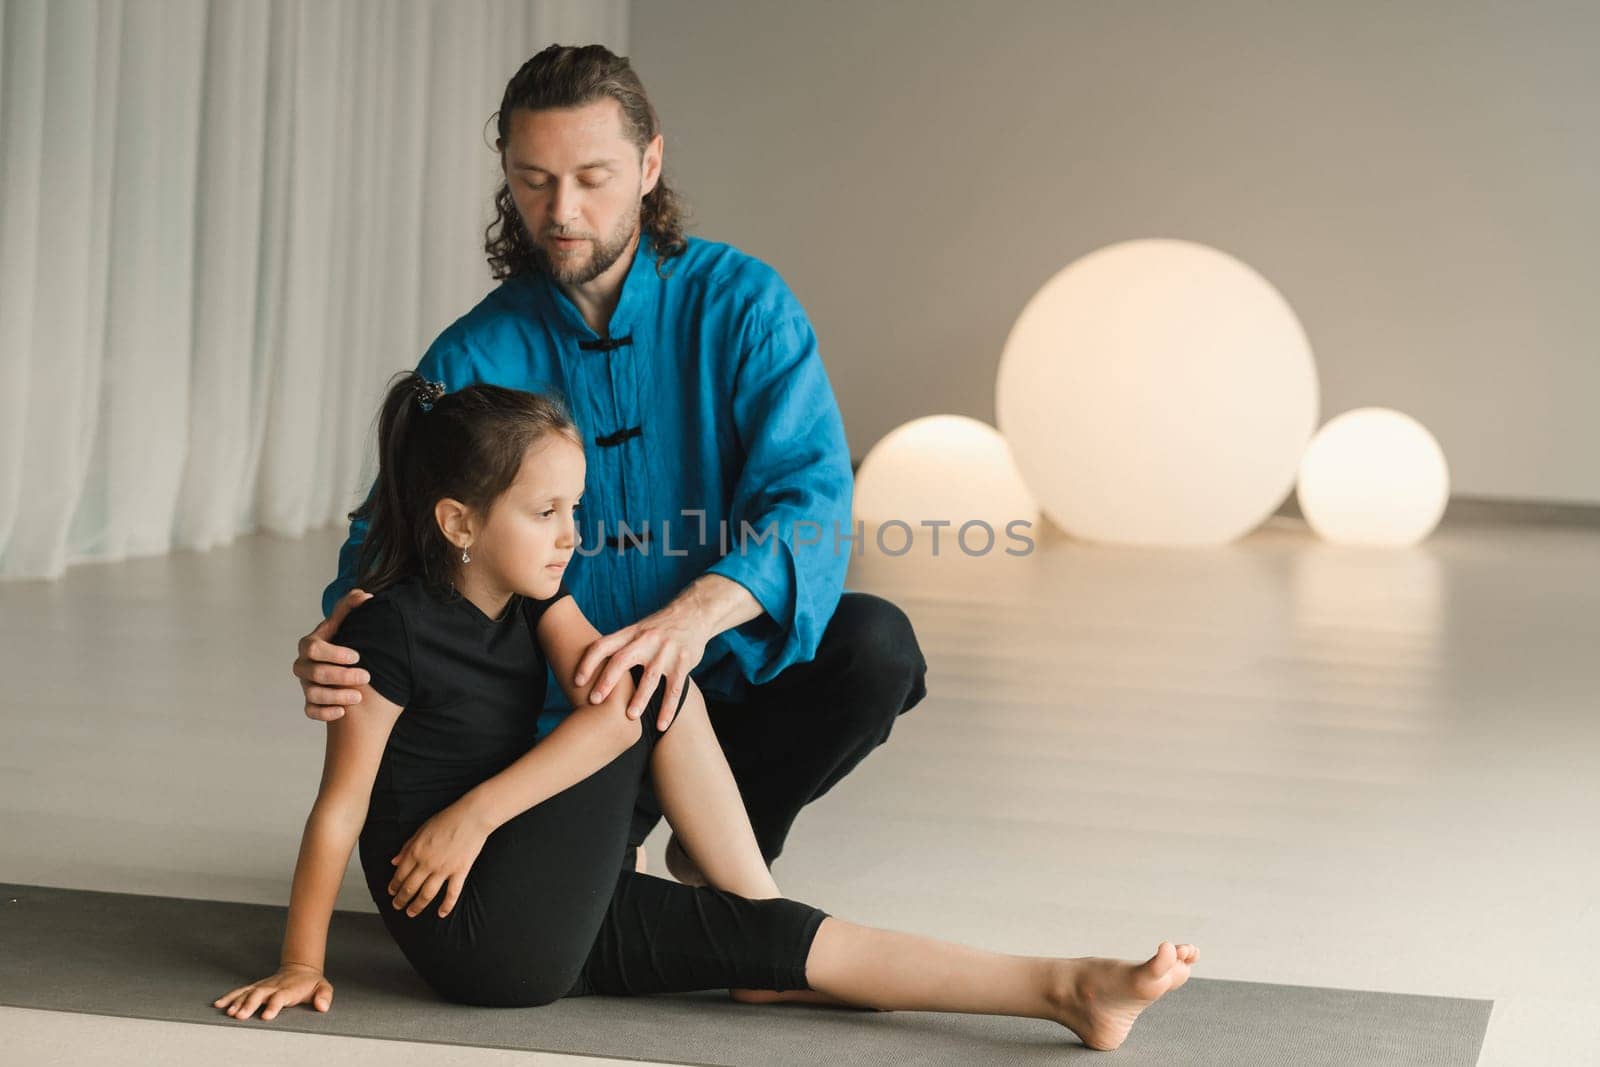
pixel 877 649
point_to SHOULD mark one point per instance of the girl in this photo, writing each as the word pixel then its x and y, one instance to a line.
pixel 436 775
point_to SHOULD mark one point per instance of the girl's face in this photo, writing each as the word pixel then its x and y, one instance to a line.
pixel 531 532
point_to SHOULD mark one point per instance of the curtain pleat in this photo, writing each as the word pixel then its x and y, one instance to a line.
pixel 223 225
pixel 228 280
pixel 22 79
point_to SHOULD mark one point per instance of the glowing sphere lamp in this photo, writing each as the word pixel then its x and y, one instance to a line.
pixel 942 468
pixel 1157 392
pixel 1373 476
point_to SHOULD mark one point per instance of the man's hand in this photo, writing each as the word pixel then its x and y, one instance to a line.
pixel 667 644
pixel 318 664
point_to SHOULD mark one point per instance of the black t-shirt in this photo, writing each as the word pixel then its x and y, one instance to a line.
pixel 472 688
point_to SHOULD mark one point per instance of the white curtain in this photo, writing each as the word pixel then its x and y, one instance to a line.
pixel 223 225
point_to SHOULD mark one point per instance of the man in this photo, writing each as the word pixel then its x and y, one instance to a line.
pixel 718 499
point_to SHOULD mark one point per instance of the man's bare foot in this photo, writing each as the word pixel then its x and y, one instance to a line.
pixel 681 866
pixel 1099 998
pixel 640 860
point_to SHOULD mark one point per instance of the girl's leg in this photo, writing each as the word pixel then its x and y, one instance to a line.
pixel 1098 999
pixel 537 894
pixel 701 802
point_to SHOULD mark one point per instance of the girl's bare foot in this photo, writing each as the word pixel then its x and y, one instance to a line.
pixel 1098 999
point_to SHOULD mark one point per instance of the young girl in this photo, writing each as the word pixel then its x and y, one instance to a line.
pixel 497 863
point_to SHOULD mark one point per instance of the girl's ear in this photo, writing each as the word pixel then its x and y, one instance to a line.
pixel 456 521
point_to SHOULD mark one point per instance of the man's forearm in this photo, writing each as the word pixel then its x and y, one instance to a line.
pixel 719 603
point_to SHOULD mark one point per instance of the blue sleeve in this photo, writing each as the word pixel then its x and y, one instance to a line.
pixel 446 360
pixel 795 482
pixel 349 555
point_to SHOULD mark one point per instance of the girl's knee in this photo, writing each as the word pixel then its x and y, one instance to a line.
pixel 693 703
pixel 691 706
pixel 687 696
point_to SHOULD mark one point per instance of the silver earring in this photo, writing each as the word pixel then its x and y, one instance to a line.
pixel 466 557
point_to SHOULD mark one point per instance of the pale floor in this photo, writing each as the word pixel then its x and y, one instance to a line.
pixel 1352 768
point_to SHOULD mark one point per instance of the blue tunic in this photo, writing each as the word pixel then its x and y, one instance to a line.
pixel 708 396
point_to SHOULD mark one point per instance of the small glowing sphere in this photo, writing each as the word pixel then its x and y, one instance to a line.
pixel 1157 392
pixel 1373 476
pixel 942 468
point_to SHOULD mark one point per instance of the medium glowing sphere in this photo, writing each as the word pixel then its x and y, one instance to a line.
pixel 1157 392
pixel 942 467
pixel 1373 476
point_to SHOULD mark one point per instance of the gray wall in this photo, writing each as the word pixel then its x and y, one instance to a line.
pixel 1419 180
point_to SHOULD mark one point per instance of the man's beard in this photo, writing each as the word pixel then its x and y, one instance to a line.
pixel 604 254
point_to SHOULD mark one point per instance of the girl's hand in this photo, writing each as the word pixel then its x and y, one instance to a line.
pixel 295 983
pixel 441 852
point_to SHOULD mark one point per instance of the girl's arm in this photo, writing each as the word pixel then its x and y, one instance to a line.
pixel 349 766
pixel 585 741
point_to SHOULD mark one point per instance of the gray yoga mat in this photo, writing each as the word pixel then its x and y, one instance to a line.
pixel 149 957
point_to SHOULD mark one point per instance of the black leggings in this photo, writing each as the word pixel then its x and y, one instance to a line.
pixel 548 910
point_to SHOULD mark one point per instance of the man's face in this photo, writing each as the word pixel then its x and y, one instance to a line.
pixel 577 181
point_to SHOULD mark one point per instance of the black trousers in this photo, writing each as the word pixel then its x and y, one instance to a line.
pixel 551 909
pixel 790 740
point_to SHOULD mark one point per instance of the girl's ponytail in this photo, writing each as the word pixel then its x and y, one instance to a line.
pixel 389 551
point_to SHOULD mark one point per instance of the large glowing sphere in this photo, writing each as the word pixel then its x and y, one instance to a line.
pixel 1157 392
pixel 945 468
pixel 1373 476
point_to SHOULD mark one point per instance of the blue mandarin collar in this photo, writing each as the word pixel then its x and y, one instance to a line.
pixel 640 289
